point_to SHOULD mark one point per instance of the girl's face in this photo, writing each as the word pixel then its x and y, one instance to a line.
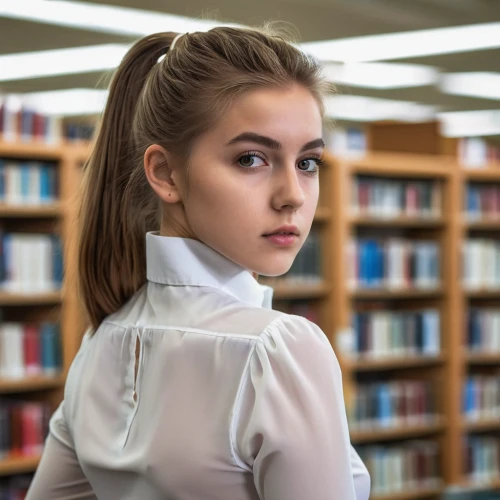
pixel 252 176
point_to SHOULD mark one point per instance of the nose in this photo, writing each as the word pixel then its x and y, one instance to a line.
pixel 287 192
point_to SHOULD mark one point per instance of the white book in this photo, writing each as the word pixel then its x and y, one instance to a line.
pixel 12 350
pixel 34 184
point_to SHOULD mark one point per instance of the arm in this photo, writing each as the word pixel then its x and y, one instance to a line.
pixel 59 475
pixel 290 420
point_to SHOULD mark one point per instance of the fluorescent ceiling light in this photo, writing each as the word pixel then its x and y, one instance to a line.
pixel 470 123
pixel 407 44
pixel 358 108
pixel 474 84
pixel 381 75
pixel 60 61
pixel 64 102
pixel 105 18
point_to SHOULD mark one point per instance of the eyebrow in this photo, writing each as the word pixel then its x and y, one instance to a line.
pixel 270 143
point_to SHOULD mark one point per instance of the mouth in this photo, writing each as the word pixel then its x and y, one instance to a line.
pixel 283 237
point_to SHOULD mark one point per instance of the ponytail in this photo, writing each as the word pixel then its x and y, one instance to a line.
pixel 117 206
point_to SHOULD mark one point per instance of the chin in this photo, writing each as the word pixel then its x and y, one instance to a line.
pixel 273 270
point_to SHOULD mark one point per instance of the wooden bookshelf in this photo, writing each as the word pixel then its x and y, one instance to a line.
pixel 18 465
pixel 479 358
pixel 61 306
pixel 481 424
pixel 394 363
pixel 29 384
pixel 396 432
pixel 397 222
pixel 27 299
pixel 396 293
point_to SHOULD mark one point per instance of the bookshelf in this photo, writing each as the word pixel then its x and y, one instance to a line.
pixel 393 156
pixel 58 305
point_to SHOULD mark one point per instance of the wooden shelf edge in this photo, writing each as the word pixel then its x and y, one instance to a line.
pixel 27 384
pixel 42 150
pixel 400 221
pixel 35 211
pixel 7 298
pixel 478 358
pixel 390 363
pixel 410 495
pixel 481 424
pixel 396 433
pixel 18 465
pixel 396 293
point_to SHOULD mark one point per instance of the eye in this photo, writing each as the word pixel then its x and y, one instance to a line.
pixel 251 160
pixel 309 164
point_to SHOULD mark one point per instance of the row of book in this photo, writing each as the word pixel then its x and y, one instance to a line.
pixel 15 487
pixel 483 330
pixel 23 428
pixel 306 267
pixel 392 263
pixel 411 465
pixel 475 152
pixel 392 404
pixel 482 201
pixel 382 334
pixel 19 122
pixel 31 263
pixel 28 183
pixel 28 350
pixel 481 263
pixel 482 458
pixel 392 198
pixel 481 397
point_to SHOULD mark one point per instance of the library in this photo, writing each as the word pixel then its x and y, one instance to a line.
pixel 399 273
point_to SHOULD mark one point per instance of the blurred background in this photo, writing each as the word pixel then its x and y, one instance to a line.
pixel 402 266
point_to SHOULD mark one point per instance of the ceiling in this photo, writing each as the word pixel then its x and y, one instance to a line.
pixel 313 19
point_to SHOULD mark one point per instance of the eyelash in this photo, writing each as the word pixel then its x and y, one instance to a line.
pixel 316 159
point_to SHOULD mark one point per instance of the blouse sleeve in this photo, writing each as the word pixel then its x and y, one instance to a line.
pixel 290 425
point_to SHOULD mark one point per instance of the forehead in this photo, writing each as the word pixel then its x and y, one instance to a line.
pixel 286 115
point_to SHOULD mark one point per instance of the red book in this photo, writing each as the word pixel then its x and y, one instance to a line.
pixel 32 353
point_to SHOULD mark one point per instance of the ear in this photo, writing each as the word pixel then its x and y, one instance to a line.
pixel 160 172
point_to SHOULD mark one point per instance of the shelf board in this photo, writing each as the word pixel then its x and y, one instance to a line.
pixel 322 214
pixel 283 291
pixel 483 224
pixel 27 384
pixel 488 293
pixel 21 299
pixel 395 433
pixel 18 465
pixel 410 495
pixel 480 425
pixel 482 358
pixel 488 173
pixel 400 221
pixel 390 363
pixel 32 149
pixel 401 165
pixel 384 293
pixel 18 211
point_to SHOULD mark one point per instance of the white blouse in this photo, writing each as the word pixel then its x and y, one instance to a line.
pixel 232 400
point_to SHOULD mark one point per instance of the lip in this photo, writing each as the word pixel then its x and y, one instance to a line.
pixel 284 229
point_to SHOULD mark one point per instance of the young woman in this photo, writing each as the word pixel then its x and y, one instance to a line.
pixel 188 386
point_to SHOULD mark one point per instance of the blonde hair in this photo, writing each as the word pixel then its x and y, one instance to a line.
pixel 168 101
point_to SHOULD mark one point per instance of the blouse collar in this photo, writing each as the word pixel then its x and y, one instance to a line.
pixel 186 262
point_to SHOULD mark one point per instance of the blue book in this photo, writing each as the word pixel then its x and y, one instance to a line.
pixel 57 262
pixel 384 404
pixel 50 348
pixel 469 396
pixel 2 181
pixel 25 181
pixel 6 259
pixel 44 184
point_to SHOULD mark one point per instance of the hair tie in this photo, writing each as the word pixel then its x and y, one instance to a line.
pixel 175 40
